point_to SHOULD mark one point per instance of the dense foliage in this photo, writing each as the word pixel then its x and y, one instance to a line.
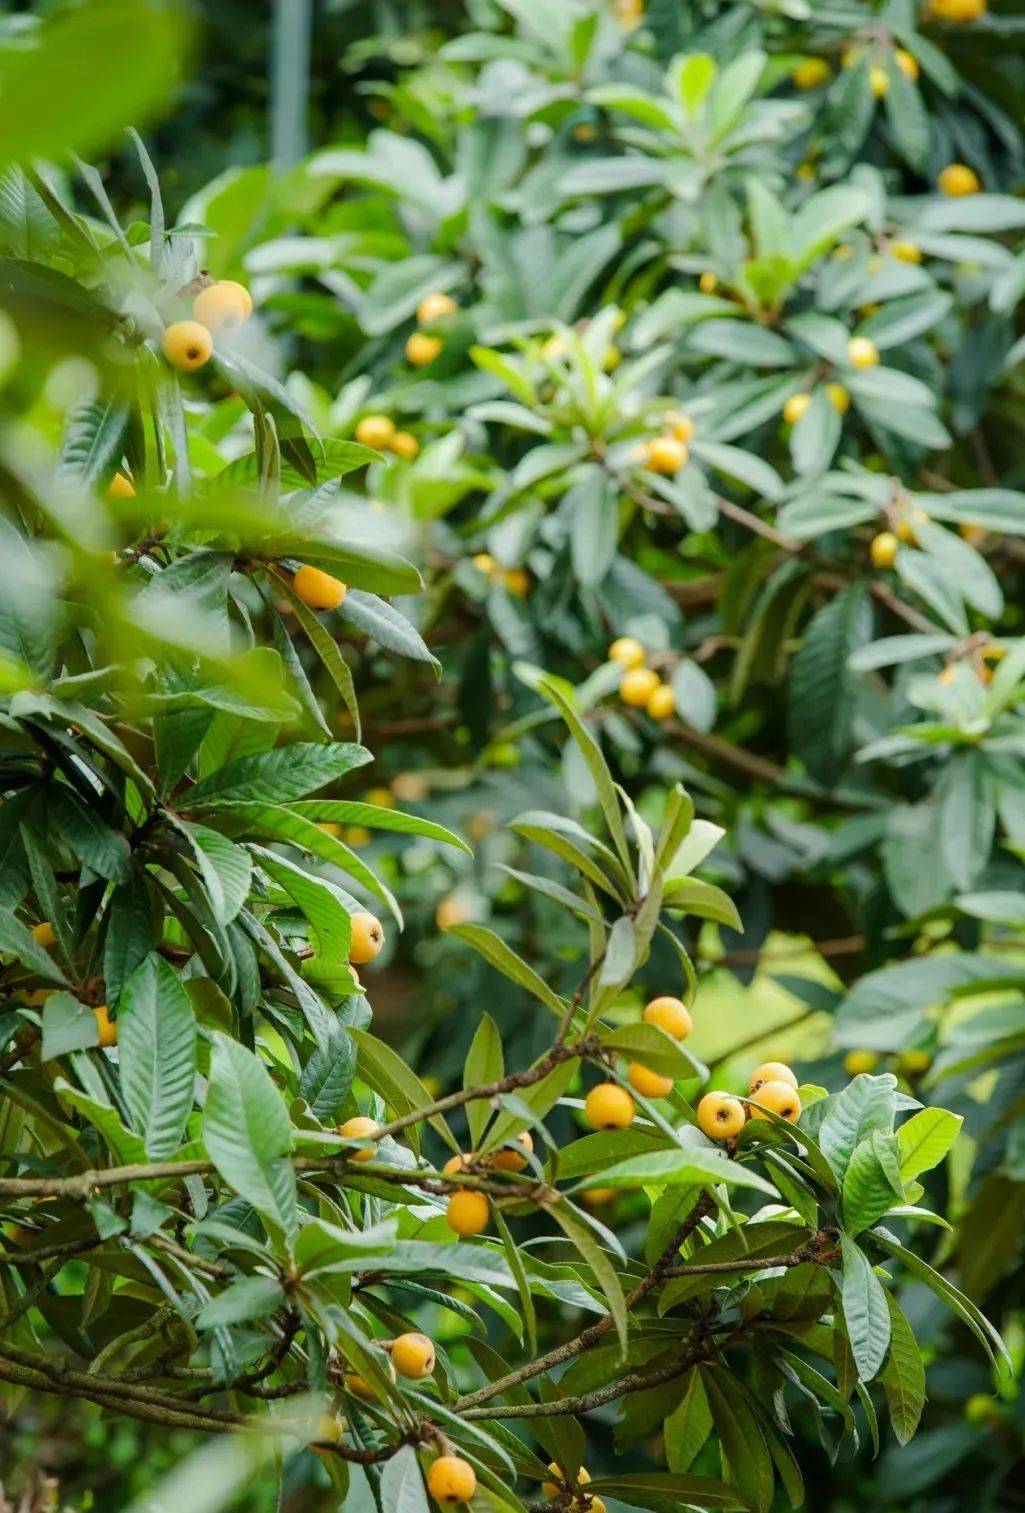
pixel 629 418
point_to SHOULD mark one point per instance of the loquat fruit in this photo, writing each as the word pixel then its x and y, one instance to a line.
pixel 721 1116
pixel 914 1063
pixel 958 179
pixel 223 306
pixel 361 1388
pixel 637 686
pixel 879 82
pixel 670 1014
pixel 862 352
pixel 680 427
pixel 359 1127
pixel 627 652
pixel 883 549
pixel 781 1098
pixel 404 444
pixel 366 937
pixel 771 1071
pixel 452 910
pixel 409 787
pixel 647 1083
pixel 906 526
pixel 513 1158
pixel 796 408
pixel 328 1434
pixel 708 283
pixel 43 933
pixel 422 349
pixel 551 1489
pixel 838 397
pixel 810 73
pixel 317 589
pixel 375 431
pixel 664 454
pixel 662 702
pixel 484 563
pixel 450 1479
pixel 458 1163
pixel 598 1197
pixel 957 11
pixel 629 14
pixel 412 1355
pixel 856 1062
pixel 467 1213
pixel 187 345
pixel 120 487
pixel 517 582
pixel 609 1106
pixel 106 1026
pixel 434 307
pixel 907 63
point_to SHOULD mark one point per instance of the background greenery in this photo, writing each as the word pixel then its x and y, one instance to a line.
pixel 564 173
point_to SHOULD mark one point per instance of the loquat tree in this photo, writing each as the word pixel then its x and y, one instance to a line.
pixel 677 404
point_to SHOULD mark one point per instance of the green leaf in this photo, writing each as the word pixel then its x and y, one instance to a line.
pixel 387 1073
pixel 278 776
pixel 385 625
pixel 157 1055
pixel 924 1140
pixel 68 1025
pixel 866 1104
pixel 903 1376
pixel 949 1294
pixel 740 1438
pixel 601 1265
pixel 402 1484
pixel 865 1310
pixel 131 931
pixel 494 950
pixel 101 848
pixel 591 752
pixel 247 1134
pixel 689 1425
pixel 704 900
pixel 244 1301
pixel 18 941
pixel 484 1063
pixel 97 67
pixel 668 1491
pixel 328 1074
pixel 822 686
pixel 652 1046
pixel 678 1168
pixel 872 1182
pixel 93 440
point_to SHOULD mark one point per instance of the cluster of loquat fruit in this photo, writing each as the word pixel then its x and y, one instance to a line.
pixel 379 432
pixel 772 1087
pixel 218 307
pixel 668 452
pixel 422 347
pixel 640 686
